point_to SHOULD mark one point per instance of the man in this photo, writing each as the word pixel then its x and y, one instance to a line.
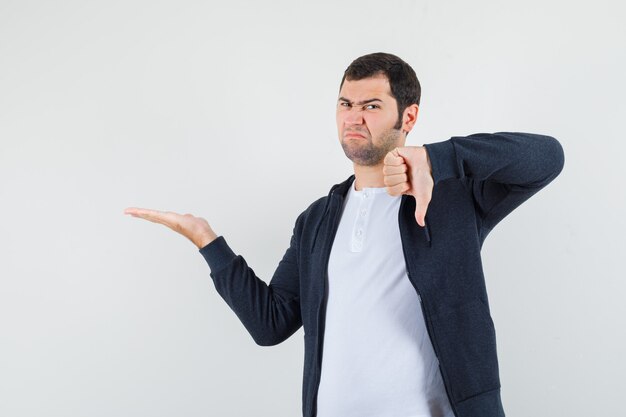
pixel 384 272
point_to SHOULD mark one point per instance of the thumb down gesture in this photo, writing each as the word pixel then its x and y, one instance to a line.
pixel 407 170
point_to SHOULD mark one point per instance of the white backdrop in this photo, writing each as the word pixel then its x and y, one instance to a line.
pixel 226 110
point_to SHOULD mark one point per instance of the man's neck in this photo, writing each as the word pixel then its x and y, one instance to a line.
pixel 368 176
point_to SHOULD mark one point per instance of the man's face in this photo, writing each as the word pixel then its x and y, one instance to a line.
pixel 366 114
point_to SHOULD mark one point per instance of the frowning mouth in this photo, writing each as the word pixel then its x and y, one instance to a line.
pixel 355 135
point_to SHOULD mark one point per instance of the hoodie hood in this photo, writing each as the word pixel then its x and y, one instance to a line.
pixel 339 191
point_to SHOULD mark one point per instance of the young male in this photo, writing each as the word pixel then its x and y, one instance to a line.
pixel 385 272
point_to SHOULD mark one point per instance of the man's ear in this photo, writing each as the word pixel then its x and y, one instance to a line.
pixel 409 117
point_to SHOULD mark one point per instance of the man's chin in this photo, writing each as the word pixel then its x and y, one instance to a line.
pixel 364 161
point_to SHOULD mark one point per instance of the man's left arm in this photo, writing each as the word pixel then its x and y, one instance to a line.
pixel 503 169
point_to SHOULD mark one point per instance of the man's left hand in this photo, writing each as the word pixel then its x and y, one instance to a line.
pixel 407 170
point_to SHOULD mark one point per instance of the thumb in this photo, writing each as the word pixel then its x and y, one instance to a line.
pixel 419 217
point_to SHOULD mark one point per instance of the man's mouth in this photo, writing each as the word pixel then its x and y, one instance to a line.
pixel 355 135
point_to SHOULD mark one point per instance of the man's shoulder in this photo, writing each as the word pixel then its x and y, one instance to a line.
pixel 314 210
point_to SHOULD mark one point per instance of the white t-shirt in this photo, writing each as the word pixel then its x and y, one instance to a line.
pixel 378 360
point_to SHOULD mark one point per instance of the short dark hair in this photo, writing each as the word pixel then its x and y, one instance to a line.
pixel 405 87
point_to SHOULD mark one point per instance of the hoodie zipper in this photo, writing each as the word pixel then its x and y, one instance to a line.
pixel 428 324
pixel 322 318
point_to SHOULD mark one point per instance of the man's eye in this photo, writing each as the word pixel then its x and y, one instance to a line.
pixel 345 104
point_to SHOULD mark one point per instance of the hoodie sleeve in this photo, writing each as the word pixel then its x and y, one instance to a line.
pixel 270 313
pixel 503 169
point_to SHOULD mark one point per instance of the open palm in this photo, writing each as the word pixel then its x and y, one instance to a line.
pixel 193 228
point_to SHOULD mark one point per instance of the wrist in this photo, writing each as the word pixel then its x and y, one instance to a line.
pixel 422 160
pixel 205 238
pixel 430 167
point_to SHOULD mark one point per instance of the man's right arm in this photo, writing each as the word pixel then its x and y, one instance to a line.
pixel 270 313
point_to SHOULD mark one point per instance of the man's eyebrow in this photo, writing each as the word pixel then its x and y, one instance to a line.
pixel 360 102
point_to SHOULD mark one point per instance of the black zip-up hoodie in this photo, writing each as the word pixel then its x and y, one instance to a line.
pixel 478 180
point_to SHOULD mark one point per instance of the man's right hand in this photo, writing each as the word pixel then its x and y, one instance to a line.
pixel 193 228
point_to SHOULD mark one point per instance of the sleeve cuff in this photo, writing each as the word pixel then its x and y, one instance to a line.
pixel 442 160
pixel 217 253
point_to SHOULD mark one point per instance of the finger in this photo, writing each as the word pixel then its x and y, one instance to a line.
pixel 393 158
pixel 142 212
pixel 138 210
pixel 419 216
pixel 156 216
pixel 398 189
pixel 394 169
pixel 130 210
pixel 391 180
pixel 421 205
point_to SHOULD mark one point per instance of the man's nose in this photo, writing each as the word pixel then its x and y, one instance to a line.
pixel 354 116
